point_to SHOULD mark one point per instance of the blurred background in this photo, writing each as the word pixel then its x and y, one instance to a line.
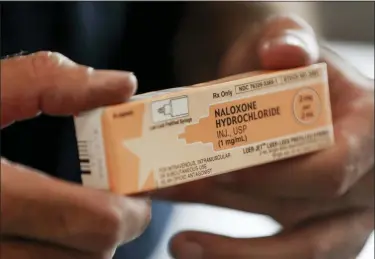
pixel 346 21
pixel 337 21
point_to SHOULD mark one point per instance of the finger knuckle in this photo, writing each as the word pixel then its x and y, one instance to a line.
pixel 44 61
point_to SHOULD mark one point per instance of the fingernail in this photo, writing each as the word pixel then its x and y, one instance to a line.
pixel 112 76
pixel 147 218
pixel 134 81
pixel 189 250
pixel 289 39
pixel 138 213
pixel 124 84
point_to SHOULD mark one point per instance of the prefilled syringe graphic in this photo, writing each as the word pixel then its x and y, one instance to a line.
pixel 170 108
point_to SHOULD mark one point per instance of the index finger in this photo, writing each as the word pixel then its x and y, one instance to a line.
pixel 38 207
pixel 49 82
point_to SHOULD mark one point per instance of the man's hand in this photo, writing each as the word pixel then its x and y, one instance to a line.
pixel 42 217
pixel 325 200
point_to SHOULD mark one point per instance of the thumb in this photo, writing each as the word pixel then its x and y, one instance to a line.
pixel 337 237
pixel 280 42
pixel 287 42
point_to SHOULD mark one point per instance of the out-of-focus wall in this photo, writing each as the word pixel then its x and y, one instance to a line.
pixel 337 21
pixel 349 21
pixel 307 10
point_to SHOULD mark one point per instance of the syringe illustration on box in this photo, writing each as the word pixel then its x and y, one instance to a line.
pixel 170 109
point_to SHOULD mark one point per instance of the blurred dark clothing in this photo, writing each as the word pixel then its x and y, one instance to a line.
pixel 115 35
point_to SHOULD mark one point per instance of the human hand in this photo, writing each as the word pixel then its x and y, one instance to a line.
pixel 325 200
pixel 43 217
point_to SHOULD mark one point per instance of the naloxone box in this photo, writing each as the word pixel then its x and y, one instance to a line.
pixel 184 134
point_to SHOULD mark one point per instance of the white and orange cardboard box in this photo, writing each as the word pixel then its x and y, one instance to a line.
pixel 174 136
